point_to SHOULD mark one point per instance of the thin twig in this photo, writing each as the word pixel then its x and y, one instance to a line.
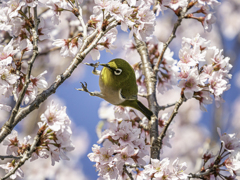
pixel 171 37
pixel 80 18
pixel 88 44
pixel 162 108
pixel 200 174
pixel 174 113
pixel 128 173
pixel 10 157
pixel 150 80
pixel 26 155
pixel 39 53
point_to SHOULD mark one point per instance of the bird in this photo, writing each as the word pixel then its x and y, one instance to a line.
pixel 117 82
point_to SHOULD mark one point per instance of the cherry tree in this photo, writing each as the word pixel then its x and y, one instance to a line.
pixel 180 69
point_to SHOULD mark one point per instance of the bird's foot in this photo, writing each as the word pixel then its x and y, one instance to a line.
pixel 84 88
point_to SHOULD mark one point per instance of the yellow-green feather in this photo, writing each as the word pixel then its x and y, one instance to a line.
pixel 139 106
pixel 126 82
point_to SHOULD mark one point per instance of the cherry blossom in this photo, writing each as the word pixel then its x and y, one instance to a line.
pixel 230 141
pixel 9 167
pixel 54 117
pixel 12 143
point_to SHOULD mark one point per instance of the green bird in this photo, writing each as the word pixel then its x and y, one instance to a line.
pixel 118 85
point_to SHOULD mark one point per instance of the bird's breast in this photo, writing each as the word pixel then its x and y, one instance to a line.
pixel 109 92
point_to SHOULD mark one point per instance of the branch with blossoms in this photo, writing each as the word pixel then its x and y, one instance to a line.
pixel 226 160
pixel 91 42
pixel 53 140
pixel 129 147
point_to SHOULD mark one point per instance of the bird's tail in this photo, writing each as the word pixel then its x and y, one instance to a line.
pixel 139 106
pixel 144 110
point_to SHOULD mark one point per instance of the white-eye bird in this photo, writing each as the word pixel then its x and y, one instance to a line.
pixel 118 85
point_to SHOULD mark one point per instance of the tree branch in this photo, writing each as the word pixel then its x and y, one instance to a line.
pixel 26 155
pixel 128 173
pixel 10 157
pixel 80 18
pixel 200 175
pixel 7 126
pixel 174 113
pixel 88 44
pixel 172 36
pixel 151 81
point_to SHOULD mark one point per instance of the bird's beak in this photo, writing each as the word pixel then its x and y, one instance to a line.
pixel 107 66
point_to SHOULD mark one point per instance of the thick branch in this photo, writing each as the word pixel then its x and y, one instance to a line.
pixel 88 44
pixel 150 80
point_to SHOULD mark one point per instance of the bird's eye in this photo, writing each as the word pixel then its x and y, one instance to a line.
pixel 117 71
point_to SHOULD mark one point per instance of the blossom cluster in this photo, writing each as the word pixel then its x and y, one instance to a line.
pixel 201 81
pixel 134 15
pixel 126 147
pixel 9 78
pixel 12 73
pixel 227 159
pixel 167 76
pixel 54 141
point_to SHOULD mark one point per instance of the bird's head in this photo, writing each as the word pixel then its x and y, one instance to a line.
pixel 118 67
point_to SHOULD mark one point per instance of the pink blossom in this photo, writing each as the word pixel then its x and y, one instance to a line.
pixel 230 141
pixel 175 4
pixel 95 155
pixel 25 45
pixel 5 107
pixel 39 82
pixel 217 83
pixel 178 169
pixel 157 169
pixel 207 22
pixel 6 53
pixel 9 167
pixel 191 84
pixel 212 3
pixel 124 156
pixel 29 95
pixel 204 98
pixel 55 118
pixel 232 164
pixel 12 143
pixel 107 171
pixel 64 44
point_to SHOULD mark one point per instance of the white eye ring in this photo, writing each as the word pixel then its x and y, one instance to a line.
pixel 117 72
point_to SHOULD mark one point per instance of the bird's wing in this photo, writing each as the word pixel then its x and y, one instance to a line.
pixel 128 95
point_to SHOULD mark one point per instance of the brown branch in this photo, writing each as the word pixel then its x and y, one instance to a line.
pixel 88 44
pixel 200 175
pixel 151 81
pixel 172 36
pixel 10 156
pixel 162 108
pixel 26 155
pixel 128 173
pixel 174 113
pixel 39 53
